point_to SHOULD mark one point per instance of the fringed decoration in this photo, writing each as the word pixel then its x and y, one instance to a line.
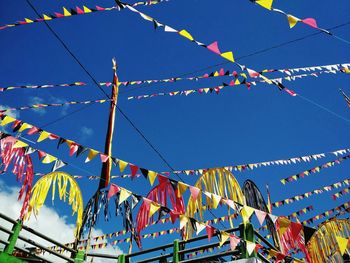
pixel 160 194
pixel 323 246
pixel 254 198
pixel 42 187
pixel 218 181
pixel 22 167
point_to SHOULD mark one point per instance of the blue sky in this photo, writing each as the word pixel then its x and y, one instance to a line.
pixel 198 131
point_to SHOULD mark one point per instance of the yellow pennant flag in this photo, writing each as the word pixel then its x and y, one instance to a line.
pixel 151 177
pixel 342 243
pixel 216 200
pixel 183 221
pixel 228 55
pixel 265 3
pixel 185 34
pixel 43 136
pixel 91 155
pixel 19 144
pixel 7 120
pixel 86 10
pixel 28 20
pixel 154 207
pixel 49 159
pixel 66 12
pixel 181 188
pixel 122 165
pixel 246 213
pixel 223 237
pixel 292 20
pixel 46 17
pixel 124 194
pixel 24 127
pixel 284 224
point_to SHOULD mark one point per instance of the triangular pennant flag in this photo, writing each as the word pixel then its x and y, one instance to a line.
pixel 283 223
pixel 122 165
pixel 228 55
pixel 342 243
pixel 273 218
pixel 223 237
pixel 49 159
pixel 24 126
pixel 260 215
pixel 135 200
pixel 216 200
pixel 144 172
pixel 214 47
pixel 92 154
pixel 86 10
pixel 19 144
pixel 66 12
pixel 113 189
pixel 295 229
pixel 234 241
pixel 250 247
pixel 133 169
pixel 310 22
pixel 265 3
pixel 199 227
pixel 292 20
pixel 194 192
pixel 124 194
pixel 246 213
pixel 43 136
pixel 154 207
pixel 7 120
pixel 185 34
pixel 104 157
pixel 162 179
pixel 210 232
pixel 152 177
pixel 174 215
pixel 58 164
pixel 183 221
pixel 181 188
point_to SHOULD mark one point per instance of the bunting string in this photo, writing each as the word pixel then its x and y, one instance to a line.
pixel 44 86
pixel 327 213
pixel 311 193
pixel 43 105
pixel 341 193
pixel 213 47
pixel 76 149
pixel 346 97
pixel 314 170
pixel 68 12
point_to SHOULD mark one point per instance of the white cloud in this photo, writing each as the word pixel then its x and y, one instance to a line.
pixel 37 100
pixel 48 222
pixel 86 132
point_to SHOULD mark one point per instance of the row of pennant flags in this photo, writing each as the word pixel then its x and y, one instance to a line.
pixel 307 71
pixel 341 193
pixel 77 149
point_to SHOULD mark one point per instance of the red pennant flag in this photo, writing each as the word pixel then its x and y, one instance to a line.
pixel 73 148
pixel 174 215
pixel 133 169
pixel 41 154
pixel 79 11
pixel 33 130
pixel 113 190
pixel 295 229
pixel 214 47
pixel 162 179
pixel 210 232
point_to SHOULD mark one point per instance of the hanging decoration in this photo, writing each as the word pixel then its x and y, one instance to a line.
pixel 314 170
pixel 311 193
pixel 13 152
pixel 213 47
pixel 341 193
pixel 346 97
pixel 325 244
pixel 67 12
pixel 254 198
pixel 217 185
pixel 43 105
pixel 327 213
pixel 42 187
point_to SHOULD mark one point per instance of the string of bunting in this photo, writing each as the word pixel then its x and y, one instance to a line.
pixel 213 47
pixel 340 208
pixel 346 97
pixel 44 86
pixel 341 193
pixel 314 170
pixel 233 83
pixel 43 105
pixel 77 149
pixel 68 12
pixel 333 68
pixel 311 193
pixel 44 157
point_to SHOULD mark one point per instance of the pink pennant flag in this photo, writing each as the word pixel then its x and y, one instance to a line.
pixel 103 157
pixel 290 92
pixel 222 72
pixel 33 130
pixel 113 190
pixel 206 75
pixel 58 15
pixel 194 192
pixel 310 22
pixel 214 47
pixel 210 232
pixel 79 11
pixel 234 241
pixel 72 149
pixel 41 154
pixel 261 216
pixel 100 8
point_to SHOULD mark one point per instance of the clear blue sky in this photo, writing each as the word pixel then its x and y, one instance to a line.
pixel 198 131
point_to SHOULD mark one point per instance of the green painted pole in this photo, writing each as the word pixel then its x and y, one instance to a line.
pixel 247 234
pixel 13 237
pixel 121 258
pixel 80 257
pixel 176 249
